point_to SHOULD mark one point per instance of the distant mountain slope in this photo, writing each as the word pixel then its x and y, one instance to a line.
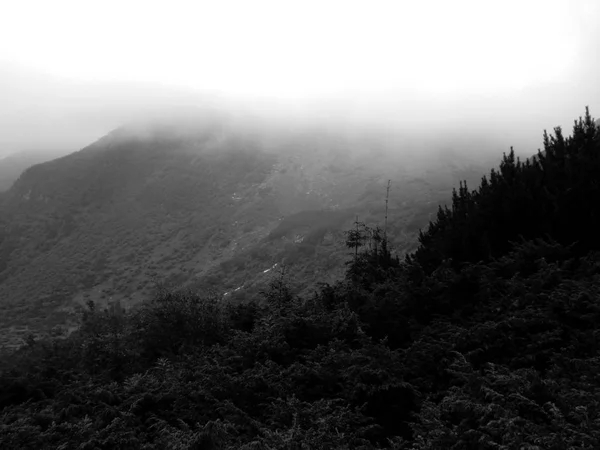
pixel 113 211
pixel 13 165
pixel 210 206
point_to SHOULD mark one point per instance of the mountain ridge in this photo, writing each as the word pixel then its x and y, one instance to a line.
pixel 14 164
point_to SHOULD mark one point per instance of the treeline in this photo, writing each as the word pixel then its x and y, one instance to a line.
pixel 486 337
pixel 552 194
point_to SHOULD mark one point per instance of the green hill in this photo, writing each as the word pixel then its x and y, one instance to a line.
pixel 204 203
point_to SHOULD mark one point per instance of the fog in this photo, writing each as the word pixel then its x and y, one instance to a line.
pixel 483 75
pixel 41 111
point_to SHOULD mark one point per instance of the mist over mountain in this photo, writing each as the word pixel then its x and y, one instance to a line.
pixel 209 200
pixel 284 225
pixel 42 112
pixel 466 325
pixel 46 112
pixel 205 182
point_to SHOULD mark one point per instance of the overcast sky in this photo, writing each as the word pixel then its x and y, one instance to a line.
pixel 389 60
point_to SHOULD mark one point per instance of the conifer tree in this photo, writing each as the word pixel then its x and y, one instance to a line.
pixel 555 194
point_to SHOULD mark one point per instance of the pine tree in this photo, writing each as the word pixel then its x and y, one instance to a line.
pixel 555 194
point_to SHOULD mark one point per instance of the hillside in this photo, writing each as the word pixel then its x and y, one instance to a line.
pixel 203 203
pixel 485 337
pixel 111 212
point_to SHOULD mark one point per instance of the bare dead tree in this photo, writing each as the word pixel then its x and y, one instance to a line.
pixel 387 198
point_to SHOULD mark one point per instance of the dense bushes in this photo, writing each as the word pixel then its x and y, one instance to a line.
pixel 293 372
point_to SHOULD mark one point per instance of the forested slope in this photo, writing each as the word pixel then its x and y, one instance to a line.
pixel 486 337
pixel 201 202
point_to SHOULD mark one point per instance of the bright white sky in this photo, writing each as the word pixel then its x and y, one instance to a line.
pixel 301 49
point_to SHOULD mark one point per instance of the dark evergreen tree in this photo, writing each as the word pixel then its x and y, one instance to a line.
pixel 555 194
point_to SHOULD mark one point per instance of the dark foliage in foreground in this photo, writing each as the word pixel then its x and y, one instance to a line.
pixel 480 340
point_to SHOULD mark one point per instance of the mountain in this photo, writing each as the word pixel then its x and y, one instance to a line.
pixel 205 202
